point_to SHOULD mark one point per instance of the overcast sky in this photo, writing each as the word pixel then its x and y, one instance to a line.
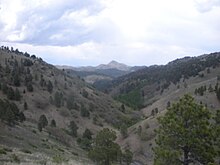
pixel 90 32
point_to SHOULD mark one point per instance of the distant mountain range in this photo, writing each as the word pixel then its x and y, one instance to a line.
pixel 92 74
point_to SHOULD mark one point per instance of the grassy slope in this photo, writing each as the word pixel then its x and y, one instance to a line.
pixel 142 145
pixel 26 144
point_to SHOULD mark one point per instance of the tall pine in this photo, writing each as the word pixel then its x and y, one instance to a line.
pixel 185 135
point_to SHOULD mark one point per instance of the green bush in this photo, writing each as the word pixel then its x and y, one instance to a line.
pixel 2 151
pixel 26 151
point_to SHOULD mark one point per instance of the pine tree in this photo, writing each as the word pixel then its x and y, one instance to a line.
pixel 70 102
pixel 127 156
pixel 105 150
pixel 58 99
pixel 17 96
pixel 43 122
pixel 218 92
pixel 217 131
pixel 10 93
pixel 185 135
pixel 124 130
pixel 49 86
pixel 53 123
pixel 25 106
pixel 30 88
pixel 73 128
pixel 87 134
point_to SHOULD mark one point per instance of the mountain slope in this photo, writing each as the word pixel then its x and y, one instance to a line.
pixel 153 80
pixel 46 91
pixel 114 65
pixel 141 136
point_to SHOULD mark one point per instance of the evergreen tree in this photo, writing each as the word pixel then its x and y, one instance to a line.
pixel 10 93
pixel 105 150
pixel 218 92
pixel 4 88
pixel 86 141
pixel 123 108
pixel 84 112
pixel 53 123
pixel 17 96
pixel 217 131
pixel 43 122
pixel 22 117
pixel 30 88
pixel 185 135
pixel 9 116
pixel 73 128
pixel 25 106
pixel 127 156
pixel 49 86
pixel 124 130
pixel 85 93
pixel 70 102
pixel 87 134
pixel 58 99
pixel 39 126
pixel 16 80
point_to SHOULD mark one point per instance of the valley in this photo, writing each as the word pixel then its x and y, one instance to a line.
pixel 127 100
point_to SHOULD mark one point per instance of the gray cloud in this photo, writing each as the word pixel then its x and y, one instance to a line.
pixel 206 5
pixel 38 24
pixel 97 31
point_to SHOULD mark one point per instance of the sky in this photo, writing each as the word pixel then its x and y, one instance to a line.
pixel 92 32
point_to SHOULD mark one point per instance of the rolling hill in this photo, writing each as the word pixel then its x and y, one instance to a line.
pixel 32 90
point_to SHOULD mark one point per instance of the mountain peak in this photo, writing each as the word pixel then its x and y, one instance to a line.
pixel 113 62
pixel 114 65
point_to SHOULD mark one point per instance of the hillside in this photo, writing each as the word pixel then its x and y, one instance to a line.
pixel 30 89
pixel 138 88
pixel 202 85
pixel 142 135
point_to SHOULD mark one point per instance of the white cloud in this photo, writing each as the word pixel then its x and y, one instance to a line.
pixel 206 5
pixel 97 31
